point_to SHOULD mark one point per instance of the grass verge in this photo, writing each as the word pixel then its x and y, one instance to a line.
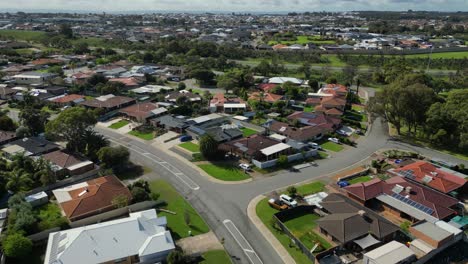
pixel 332 146
pixel 224 172
pixel 215 257
pixel 176 203
pixel 247 132
pixel 144 136
pixel 192 147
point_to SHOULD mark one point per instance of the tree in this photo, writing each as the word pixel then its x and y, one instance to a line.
pixel 204 76
pixel 208 147
pixel 292 191
pixel 71 125
pixel 19 180
pixel 181 86
pixel 66 30
pixel 314 84
pixel 6 123
pixel 114 157
pixel 33 119
pixel 81 48
pixel 119 201
pixel 17 246
pixel 282 161
pixel 139 194
pixel 176 257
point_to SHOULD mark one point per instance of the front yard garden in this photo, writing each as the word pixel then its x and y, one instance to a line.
pixel 225 172
pixel 119 124
pixel 302 227
pixel 365 178
pixel 192 147
pixel 142 135
pixel 247 132
pixel 185 219
pixel 332 146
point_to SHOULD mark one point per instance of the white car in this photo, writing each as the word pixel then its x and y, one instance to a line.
pixel 334 140
pixel 288 200
pixel 245 166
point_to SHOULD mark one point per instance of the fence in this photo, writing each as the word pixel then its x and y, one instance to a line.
pixel 378 52
pixel 283 215
pixel 364 171
pixel 44 235
pixel 114 213
pixel 68 181
pixel 291 158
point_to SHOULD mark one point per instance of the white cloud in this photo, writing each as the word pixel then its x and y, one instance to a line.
pixel 234 5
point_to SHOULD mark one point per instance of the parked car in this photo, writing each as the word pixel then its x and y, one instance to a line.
pixel 315 145
pixel 288 200
pixel 341 132
pixel 277 204
pixel 334 140
pixel 245 166
pixel 185 138
pixel 359 131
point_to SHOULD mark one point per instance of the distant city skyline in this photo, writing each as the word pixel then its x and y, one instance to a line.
pixel 260 6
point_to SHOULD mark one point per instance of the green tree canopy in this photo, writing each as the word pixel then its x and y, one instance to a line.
pixel 209 147
pixel 17 246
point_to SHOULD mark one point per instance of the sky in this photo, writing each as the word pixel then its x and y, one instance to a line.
pixel 231 5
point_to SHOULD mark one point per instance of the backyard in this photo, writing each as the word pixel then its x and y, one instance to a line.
pixel 247 132
pixel 225 172
pixel 177 222
pixel 332 146
pixel 119 124
pixel 190 146
pixel 302 227
pixel 49 216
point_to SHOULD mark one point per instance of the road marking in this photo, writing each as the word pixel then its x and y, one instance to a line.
pixel 243 243
pixel 181 176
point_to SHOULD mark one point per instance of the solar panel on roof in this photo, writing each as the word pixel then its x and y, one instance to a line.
pixel 412 203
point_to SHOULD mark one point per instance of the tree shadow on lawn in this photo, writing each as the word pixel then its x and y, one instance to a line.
pixel 131 171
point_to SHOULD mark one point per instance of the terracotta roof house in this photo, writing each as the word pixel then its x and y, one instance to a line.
pixel 348 222
pixel 46 61
pixel 81 77
pixel 250 147
pixel 314 119
pixel 108 102
pixel 438 178
pixel 267 97
pixel 267 87
pixel 68 164
pixel 404 198
pixel 220 103
pixel 128 82
pixel 89 198
pixel 141 112
pixel 6 137
pixel 335 89
pixel 301 134
pixel 67 99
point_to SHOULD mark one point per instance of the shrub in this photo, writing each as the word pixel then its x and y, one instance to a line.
pixel 17 246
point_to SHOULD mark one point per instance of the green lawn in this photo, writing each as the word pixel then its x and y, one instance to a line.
pixel 310 188
pixel 360 179
pixel 49 216
pixel 265 212
pixel 247 132
pixel 442 55
pixel 224 172
pixel 332 146
pixel 119 124
pixel 357 108
pixel 303 40
pixel 302 227
pixel 24 35
pixel 308 109
pixel 176 203
pixel 192 147
pixel 215 257
pixel 145 136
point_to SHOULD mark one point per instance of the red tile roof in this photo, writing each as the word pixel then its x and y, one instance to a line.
pixel 267 97
pixel 267 87
pixel 142 110
pixel 300 134
pixel 68 98
pixel 45 61
pixel 219 100
pixel 130 81
pixel 437 201
pixel 441 180
pixel 98 197
pixel 62 159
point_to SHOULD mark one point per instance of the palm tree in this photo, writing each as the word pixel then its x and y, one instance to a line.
pixel 18 180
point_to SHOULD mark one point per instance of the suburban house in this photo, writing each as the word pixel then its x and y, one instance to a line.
pixel 219 127
pixel 151 89
pixel 6 93
pixel 404 198
pixel 438 178
pixel 81 77
pixel 266 97
pixel 33 78
pixel 140 238
pixel 173 96
pixel 170 122
pixel 315 119
pixel 283 80
pixel 67 99
pixel 223 104
pixel 301 134
pixel 33 146
pixel 64 163
pixel 330 100
pixel 141 112
pixel 108 102
pixel 348 223
pixel 110 71
pixel 392 252
pixel 90 198
pixel 7 137
pixel 128 82
pixel 248 148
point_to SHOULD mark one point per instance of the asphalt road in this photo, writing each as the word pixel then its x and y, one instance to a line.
pixel 224 207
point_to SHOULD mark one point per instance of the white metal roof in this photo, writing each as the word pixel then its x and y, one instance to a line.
pixel 36 196
pixel 278 137
pixel 202 119
pixel 142 233
pixel 234 105
pixel 241 118
pixel 448 227
pixel 281 80
pixel 275 149
pixel 390 253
